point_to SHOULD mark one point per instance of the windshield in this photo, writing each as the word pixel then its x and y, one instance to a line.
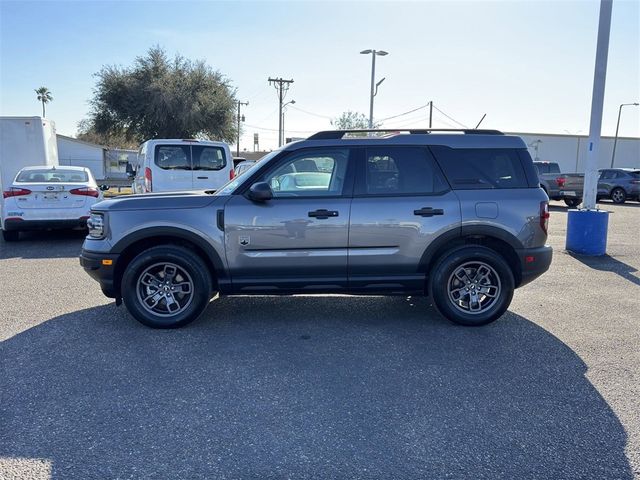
pixel 229 187
pixel 52 175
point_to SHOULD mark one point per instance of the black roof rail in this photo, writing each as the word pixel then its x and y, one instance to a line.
pixel 338 134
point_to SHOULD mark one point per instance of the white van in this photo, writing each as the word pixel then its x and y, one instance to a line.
pixel 167 165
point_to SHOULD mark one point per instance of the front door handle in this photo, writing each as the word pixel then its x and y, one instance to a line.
pixel 203 178
pixel 323 214
pixel 428 212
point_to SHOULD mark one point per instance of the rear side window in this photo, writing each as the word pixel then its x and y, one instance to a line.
pixel 57 175
pixel 173 157
pixel 400 171
pixel 208 158
pixel 481 168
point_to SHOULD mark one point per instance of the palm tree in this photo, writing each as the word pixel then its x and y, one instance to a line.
pixel 44 96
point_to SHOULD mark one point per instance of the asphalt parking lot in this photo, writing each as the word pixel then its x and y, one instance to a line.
pixel 323 387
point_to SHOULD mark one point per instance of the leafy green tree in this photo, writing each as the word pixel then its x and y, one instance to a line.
pixel 352 121
pixel 87 132
pixel 159 97
pixel 43 95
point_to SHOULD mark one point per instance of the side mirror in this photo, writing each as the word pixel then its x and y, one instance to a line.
pixel 103 188
pixel 260 192
pixel 131 172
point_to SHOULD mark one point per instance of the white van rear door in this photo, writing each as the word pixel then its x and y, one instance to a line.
pixel 172 169
pixel 211 167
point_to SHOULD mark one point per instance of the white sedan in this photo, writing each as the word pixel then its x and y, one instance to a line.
pixel 48 198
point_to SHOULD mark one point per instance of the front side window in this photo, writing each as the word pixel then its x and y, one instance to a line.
pixel 173 157
pixel 208 158
pixel 401 171
pixel 481 168
pixel 320 172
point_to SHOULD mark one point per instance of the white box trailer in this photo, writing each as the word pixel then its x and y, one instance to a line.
pixel 25 142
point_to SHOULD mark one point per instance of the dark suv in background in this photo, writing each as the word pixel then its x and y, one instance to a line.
pixel 456 215
pixel 619 184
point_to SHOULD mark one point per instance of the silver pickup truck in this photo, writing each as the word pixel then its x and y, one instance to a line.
pixel 560 186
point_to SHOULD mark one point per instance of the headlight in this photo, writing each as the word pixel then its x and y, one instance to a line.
pixel 95 224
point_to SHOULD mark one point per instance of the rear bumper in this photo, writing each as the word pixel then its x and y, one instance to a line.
pixel 534 262
pixel 94 265
pixel 18 224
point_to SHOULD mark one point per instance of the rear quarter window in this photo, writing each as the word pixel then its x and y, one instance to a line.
pixel 173 157
pixel 481 168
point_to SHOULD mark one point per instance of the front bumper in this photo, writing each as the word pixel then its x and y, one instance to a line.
pixel 101 267
pixel 534 262
pixel 18 224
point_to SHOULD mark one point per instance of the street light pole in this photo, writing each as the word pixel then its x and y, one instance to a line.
pixel 374 86
pixel 615 140
pixel 282 137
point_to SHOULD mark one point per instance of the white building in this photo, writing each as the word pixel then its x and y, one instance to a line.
pixel 570 150
pixel 104 163
pixel 72 151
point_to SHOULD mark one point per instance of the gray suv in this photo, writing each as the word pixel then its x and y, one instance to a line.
pixel 456 215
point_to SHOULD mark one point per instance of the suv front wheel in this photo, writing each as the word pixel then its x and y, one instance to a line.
pixel 166 287
pixel 471 285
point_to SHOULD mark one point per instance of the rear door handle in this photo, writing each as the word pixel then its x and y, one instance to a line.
pixel 428 212
pixel 323 214
pixel 203 178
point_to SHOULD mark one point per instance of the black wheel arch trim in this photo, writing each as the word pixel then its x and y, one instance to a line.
pixel 454 236
pixel 181 234
pixel 491 231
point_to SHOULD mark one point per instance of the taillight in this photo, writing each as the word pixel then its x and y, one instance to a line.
pixel 148 182
pixel 15 192
pixel 232 174
pixel 86 191
pixel 561 181
pixel 544 216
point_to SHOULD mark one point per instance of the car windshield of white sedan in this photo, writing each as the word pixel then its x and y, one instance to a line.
pixel 52 175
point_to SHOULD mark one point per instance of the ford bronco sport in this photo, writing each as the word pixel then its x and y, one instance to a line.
pixel 456 215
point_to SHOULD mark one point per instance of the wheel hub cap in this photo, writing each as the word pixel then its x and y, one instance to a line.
pixel 474 287
pixel 165 289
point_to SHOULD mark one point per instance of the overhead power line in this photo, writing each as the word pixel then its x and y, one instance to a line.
pixel 403 114
pixel 311 113
pixel 276 130
pixel 450 118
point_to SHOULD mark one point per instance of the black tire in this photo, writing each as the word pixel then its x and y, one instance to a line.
pixel 572 202
pixel 443 274
pixel 187 268
pixel 618 195
pixel 11 235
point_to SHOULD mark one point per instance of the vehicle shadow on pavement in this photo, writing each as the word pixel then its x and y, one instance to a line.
pixel 607 263
pixel 304 387
pixel 44 244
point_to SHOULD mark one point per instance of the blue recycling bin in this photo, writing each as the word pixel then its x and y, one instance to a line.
pixel 587 232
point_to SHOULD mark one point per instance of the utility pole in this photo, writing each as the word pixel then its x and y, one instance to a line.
pixel 239 119
pixel 282 86
pixel 430 113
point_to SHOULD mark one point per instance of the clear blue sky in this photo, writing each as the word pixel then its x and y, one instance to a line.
pixel 528 65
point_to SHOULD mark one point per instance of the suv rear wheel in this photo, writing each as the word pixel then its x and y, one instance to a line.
pixel 472 285
pixel 166 287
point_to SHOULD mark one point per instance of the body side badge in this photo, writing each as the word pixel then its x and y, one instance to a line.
pixel 244 240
